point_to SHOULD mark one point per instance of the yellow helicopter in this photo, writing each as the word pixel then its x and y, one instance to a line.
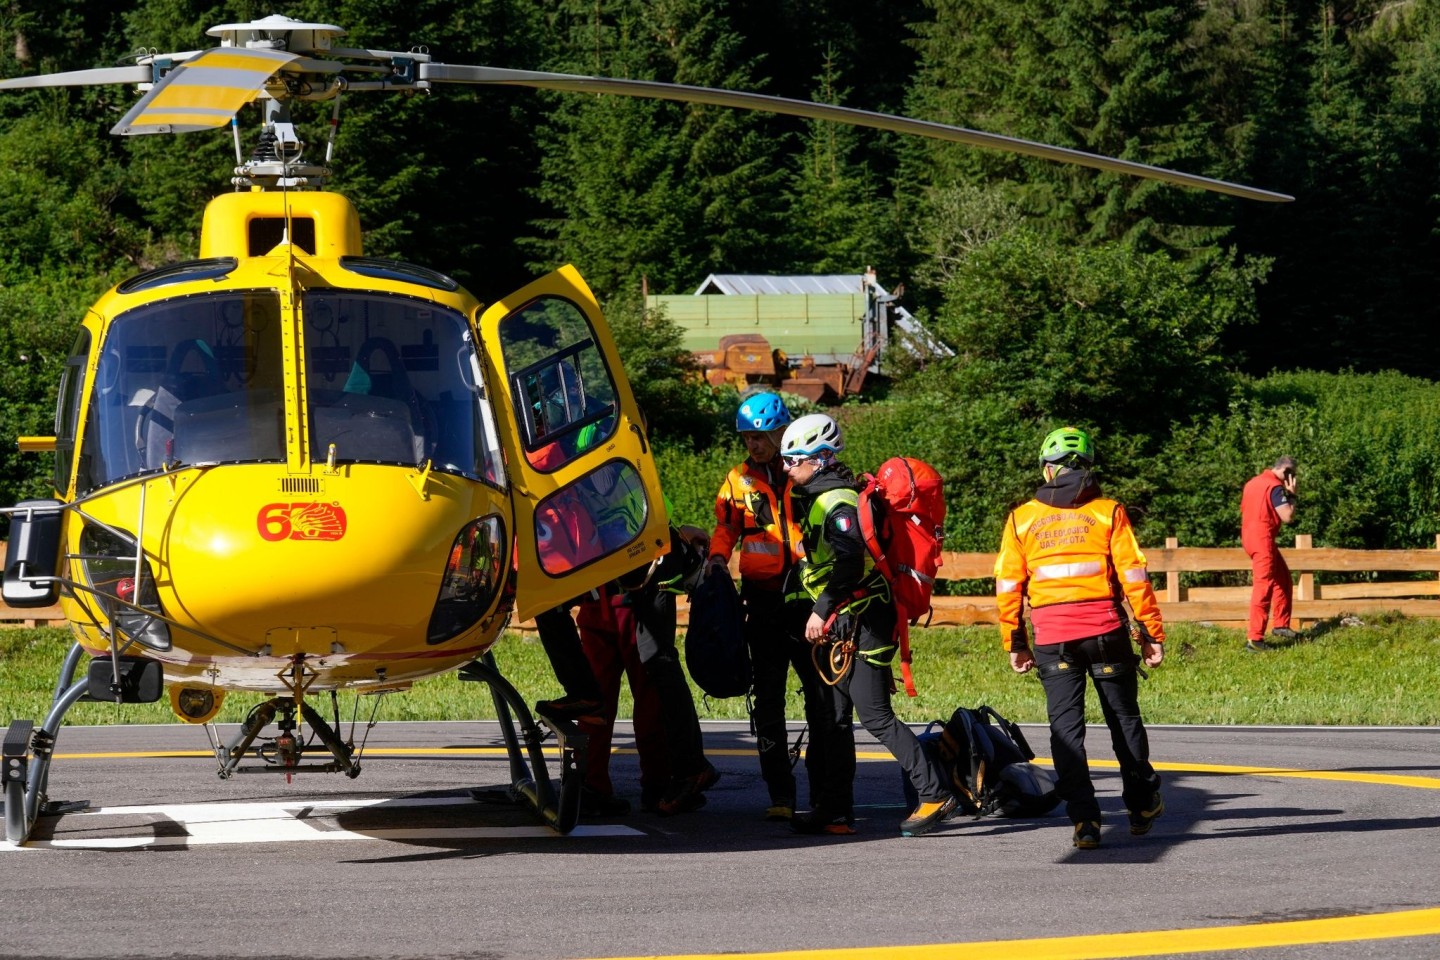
pixel 291 468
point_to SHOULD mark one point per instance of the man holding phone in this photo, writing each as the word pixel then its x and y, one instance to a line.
pixel 1267 502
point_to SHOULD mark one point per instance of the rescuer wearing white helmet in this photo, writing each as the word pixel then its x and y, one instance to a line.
pixel 850 600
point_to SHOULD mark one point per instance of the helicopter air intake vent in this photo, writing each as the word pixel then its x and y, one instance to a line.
pixel 301 485
pixel 266 232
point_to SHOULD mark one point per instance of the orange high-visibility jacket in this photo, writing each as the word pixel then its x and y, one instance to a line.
pixel 1071 554
pixel 748 512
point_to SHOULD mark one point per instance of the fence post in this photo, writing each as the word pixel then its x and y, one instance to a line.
pixel 1173 593
pixel 1307 579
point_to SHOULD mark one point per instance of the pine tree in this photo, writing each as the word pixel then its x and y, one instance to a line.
pixel 655 189
pixel 838 218
pixel 1114 79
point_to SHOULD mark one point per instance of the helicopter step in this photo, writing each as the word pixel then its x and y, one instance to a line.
pixel 14 773
pixel 530 782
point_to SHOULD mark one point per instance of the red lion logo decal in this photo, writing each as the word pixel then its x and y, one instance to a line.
pixel 301 521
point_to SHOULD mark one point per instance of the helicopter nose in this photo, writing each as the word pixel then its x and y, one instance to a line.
pixel 357 565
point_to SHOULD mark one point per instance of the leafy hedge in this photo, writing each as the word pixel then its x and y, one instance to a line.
pixel 1368 447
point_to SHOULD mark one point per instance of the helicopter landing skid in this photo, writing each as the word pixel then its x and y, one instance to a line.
pixel 26 755
pixel 530 782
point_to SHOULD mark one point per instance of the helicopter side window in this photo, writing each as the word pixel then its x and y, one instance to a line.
pixel 561 387
pixel 67 409
pixel 193 380
pixel 392 379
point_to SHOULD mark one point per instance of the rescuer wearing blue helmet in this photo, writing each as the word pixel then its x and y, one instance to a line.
pixel 753 514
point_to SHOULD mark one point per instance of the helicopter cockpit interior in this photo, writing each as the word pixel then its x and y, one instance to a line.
pixel 391 379
pixel 193 379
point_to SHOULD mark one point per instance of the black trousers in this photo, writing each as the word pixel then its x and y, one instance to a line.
pixel 655 639
pixel 774 632
pixel 1110 662
pixel 561 640
pixel 864 692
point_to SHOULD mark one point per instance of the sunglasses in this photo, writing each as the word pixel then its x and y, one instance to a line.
pixel 798 461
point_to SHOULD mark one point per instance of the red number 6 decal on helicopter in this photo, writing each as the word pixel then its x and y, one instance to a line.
pixel 301 521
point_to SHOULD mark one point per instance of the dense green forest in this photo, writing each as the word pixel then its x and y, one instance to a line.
pixel 1197 335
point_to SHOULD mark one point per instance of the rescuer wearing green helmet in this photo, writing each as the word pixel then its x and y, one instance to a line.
pixel 1073 555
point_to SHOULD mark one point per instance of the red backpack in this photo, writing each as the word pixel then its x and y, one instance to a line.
pixel 904 537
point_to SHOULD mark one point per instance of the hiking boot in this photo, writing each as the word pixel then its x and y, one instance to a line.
pixel 1087 834
pixel 814 822
pixel 688 793
pixel 650 798
pixel 1256 646
pixel 779 812
pixel 1284 633
pixel 596 804
pixel 574 709
pixel 928 816
pixel 1142 820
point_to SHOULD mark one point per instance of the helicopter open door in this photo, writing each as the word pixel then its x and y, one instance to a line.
pixel 587 500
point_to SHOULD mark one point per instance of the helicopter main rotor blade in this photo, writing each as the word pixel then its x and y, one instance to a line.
pixel 204 92
pixel 82 78
pixel 655 90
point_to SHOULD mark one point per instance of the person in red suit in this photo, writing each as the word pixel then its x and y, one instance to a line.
pixel 1267 502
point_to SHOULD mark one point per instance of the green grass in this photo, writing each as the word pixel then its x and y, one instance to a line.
pixel 1385 672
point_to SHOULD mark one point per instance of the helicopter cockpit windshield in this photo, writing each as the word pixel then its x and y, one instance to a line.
pixel 189 380
pixel 391 379
pixel 200 380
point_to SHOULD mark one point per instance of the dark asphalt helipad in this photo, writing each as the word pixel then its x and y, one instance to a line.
pixel 1276 843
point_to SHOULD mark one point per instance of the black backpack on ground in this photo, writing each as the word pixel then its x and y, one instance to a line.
pixel 985 760
pixel 715 651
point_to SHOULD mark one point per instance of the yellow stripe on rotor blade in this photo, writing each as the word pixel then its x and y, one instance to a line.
pixel 204 92
pixel 192 96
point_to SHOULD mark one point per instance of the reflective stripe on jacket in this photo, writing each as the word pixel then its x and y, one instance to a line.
pixel 750 515
pixel 837 569
pixel 1057 555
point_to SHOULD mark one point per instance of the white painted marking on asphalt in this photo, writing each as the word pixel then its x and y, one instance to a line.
pixel 205 824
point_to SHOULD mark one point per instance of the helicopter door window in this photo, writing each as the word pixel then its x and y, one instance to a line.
pixel 591 518
pixel 559 381
pixel 381 387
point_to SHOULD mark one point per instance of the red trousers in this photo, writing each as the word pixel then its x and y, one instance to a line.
pixel 1272 591
pixel 607 634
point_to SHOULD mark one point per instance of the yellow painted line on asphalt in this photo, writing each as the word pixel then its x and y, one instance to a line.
pixel 1351 776
pixel 1106 946
pixel 1344 776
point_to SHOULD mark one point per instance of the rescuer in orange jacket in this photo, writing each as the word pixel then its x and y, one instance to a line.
pixel 753 513
pixel 1072 553
pixel 1268 501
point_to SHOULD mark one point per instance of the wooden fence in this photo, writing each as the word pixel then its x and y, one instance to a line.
pixel 1221 605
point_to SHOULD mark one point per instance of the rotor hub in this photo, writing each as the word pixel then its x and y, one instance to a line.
pixel 277 32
